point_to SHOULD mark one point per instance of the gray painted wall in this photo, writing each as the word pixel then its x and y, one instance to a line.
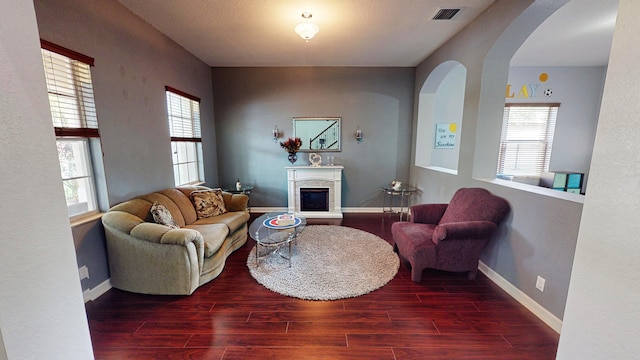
pixel 133 63
pixel 91 250
pixel 540 235
pixel 251 101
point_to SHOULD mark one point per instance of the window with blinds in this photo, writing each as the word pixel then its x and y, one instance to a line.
pixel 183 111
pixel 73 112
pixel 527 137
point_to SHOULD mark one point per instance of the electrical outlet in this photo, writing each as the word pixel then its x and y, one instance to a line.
pixel 84 272
pixel 540 283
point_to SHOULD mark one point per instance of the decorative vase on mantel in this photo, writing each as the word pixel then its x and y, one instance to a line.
pixel 291 146
pixel 292 157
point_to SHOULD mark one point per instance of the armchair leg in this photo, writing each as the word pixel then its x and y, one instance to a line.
pixel 472 275
pixel 416 274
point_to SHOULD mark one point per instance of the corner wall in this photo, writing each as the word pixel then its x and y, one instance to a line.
pixel 42 314
pixel 601 320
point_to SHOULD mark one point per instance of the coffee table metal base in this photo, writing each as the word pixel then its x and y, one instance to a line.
pixel 269 249
pixel 272 240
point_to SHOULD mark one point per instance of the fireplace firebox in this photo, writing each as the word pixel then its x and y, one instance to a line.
pixel 314 199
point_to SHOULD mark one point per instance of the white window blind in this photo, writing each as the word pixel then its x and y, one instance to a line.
pixel 183 111
pixel 527 137
pixel 73 113
pixel 71 100
pixel 184 116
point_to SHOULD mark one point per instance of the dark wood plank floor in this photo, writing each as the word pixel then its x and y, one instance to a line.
pixel 232 317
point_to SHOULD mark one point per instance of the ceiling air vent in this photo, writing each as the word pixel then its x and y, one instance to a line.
pixel 446 14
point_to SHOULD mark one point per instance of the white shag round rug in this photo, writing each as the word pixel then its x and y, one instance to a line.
pixel 329 262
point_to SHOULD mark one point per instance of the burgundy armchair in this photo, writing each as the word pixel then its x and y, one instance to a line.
pixel 451 236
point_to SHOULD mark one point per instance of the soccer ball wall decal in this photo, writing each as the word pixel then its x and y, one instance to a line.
pixel 548 93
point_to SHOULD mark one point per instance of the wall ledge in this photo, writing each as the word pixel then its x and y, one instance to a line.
pixel 576 198
pixel 440 169
pixel 85 218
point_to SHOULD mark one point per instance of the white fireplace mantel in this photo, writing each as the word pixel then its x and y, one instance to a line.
pixel 329 177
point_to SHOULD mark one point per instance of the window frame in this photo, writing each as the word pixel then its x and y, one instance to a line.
pixel 185 134
pixel 538 160
pixel 84 130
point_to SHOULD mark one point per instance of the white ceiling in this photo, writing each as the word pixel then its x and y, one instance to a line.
pixel 362 32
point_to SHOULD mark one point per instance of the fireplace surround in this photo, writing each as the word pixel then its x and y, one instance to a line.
pixel 316 181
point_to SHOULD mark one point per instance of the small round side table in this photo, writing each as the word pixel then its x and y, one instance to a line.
pixel 403 192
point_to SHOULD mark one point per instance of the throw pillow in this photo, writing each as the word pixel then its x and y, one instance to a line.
pixel 208 203
pixel 161 215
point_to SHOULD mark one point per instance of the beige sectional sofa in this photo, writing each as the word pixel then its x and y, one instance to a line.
pixel 150 258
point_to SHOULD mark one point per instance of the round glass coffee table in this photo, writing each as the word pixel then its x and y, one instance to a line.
pixel 273 239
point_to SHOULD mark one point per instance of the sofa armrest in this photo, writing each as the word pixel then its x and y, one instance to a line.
pixel 427 213
pixel 236 202
pixel 464 230
pixel 162 234
pixel 155 259
pixel 121 220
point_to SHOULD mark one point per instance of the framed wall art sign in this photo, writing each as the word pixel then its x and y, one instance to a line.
pixel 445 136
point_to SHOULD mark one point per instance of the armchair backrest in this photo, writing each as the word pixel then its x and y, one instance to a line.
pixel 475 204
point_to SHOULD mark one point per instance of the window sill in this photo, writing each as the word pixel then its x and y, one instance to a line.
pixel 443 170
pixel 576 198
pixel 84 218
pixel 195 183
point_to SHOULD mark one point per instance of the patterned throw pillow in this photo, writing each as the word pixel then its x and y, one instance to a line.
pixel 208 203
pixel 162 216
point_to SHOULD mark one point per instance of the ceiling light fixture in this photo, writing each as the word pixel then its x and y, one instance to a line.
pixel 307 29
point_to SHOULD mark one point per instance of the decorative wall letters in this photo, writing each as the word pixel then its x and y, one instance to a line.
pixel 528 90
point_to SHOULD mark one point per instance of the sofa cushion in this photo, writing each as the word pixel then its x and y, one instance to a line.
pixel 162 216
pixel 183 202
pixel 414 241
pixel 233 220
pixel 213 236
pixel 208 203
pixel 168 203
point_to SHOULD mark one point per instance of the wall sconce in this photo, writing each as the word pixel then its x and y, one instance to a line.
pixel 358 135
pixel 275 133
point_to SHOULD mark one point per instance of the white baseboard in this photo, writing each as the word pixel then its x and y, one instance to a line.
pixel 255 209
pixel 539 311
pixel 362 210
pixel 96 292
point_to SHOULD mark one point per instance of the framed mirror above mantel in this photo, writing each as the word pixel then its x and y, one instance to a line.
pixel 318 133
